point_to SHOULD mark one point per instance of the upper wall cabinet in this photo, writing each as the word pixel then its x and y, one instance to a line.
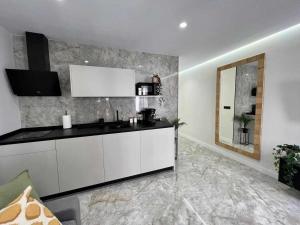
pixel 91 81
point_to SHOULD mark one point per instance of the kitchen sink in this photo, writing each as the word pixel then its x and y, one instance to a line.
pixel 119 125
pixel 110 125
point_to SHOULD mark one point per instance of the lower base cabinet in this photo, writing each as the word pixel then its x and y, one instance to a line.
pixel 121 155
pixel 80 162
pixel 39 158
pixel 68 164
pixel 157 149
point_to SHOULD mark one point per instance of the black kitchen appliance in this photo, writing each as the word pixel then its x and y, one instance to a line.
pixel 147 88
pixel 38 80
pixel 33 83
pixel 148 116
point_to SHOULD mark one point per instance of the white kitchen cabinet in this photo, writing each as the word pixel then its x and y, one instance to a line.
pixel 68 164
pixel 91 81
pixel 157 149
pixel 80 162
pixel 39 158
pixel 121 155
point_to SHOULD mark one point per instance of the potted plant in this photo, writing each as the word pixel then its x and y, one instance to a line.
pixel 287 163
pixel 244 121
pixel 176 123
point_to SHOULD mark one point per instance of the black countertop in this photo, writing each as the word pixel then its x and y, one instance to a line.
pixel 25 135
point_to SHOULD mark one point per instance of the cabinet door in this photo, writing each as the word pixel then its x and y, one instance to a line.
pixel 121 155
pixel 91 81
pixel 157 149
pixel 39 158
pixel 80 162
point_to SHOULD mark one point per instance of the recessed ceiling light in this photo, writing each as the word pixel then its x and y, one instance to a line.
pixel 183 25
pixel 86 61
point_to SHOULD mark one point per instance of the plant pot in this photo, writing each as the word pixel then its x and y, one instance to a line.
pixel 245 130
pixel 282 174
pixel 244 136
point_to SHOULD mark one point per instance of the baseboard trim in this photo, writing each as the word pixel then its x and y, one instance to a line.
pixel 238 158
pixel 88 188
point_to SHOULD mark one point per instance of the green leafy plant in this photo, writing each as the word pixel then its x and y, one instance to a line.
pixel 243 120
pixel 291 154
pixel 177 123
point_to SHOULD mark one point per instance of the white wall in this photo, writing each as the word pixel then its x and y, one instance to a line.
pixel 9 107
pixel 281 110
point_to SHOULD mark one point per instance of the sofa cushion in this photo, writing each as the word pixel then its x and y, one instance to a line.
pixel 26 210
pixel 12 189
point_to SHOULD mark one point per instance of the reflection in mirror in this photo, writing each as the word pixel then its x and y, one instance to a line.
pixel 238 100
pixel 237 123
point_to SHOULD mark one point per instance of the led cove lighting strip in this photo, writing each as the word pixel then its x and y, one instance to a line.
pixel 292 28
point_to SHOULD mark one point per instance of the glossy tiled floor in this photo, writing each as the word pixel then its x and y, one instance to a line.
pixel 206 188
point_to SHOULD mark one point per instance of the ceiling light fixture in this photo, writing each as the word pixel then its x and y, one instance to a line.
pixel 183 25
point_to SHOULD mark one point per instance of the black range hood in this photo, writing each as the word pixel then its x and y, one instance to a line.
pixel 38 80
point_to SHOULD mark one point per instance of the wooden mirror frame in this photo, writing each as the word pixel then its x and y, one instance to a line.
pixel 259 105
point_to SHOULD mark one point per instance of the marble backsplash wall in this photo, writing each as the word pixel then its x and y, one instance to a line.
pixel 47 111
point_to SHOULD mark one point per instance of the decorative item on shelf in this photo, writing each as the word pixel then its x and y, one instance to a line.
pixel 287 163
pixel 144 91
pixel 156 80
pixel 157 89
pixel 244 120
pixel 176 123
pixel 147 89
pixel 140 92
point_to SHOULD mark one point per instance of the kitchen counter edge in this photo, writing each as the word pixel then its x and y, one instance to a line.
pixel 57 132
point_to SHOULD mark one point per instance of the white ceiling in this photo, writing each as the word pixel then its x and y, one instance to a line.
pixel 214 26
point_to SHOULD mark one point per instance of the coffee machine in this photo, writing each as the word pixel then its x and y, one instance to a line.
pixel 148 116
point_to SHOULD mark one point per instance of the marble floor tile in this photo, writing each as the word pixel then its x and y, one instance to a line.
pixel 206 188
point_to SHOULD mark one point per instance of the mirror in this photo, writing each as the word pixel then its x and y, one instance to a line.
pixel 239 106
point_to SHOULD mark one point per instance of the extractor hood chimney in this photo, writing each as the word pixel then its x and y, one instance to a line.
pixel 38 80
pixel 37 52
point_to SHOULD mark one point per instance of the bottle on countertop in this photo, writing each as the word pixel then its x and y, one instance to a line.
pixel 67 124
